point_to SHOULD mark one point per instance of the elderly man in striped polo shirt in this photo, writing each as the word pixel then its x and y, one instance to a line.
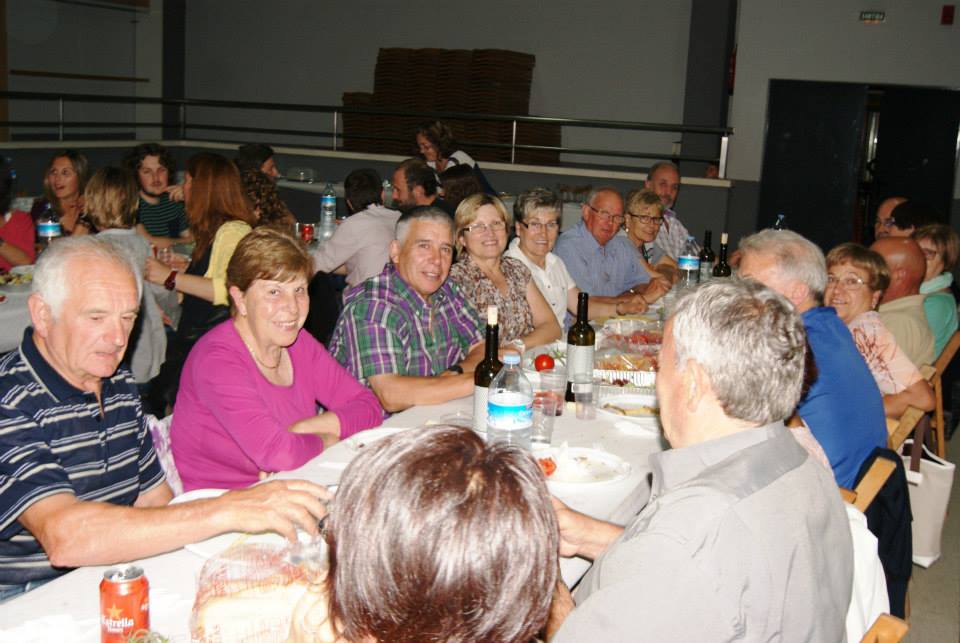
pixel 80 483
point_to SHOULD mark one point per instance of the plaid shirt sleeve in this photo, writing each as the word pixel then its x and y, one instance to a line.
pixel 370 341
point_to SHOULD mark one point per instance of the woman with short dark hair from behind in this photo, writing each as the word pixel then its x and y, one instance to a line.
pixel 473 544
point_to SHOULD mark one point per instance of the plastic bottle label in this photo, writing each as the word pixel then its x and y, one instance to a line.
pixel 687 262
pixel 480 395
pixel 48 229
pixel 509 411
pixel 328 201
pixel 579 362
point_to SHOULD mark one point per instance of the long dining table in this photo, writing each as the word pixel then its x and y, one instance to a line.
pixel 70 603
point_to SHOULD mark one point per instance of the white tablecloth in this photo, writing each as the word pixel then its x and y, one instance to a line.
pixel 71 602
pixel 14 317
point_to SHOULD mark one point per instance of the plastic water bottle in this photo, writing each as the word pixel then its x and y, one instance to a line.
pixel 328 213
pixel 48 227
pixel 510 405
pixel 387 193
pixel 689 264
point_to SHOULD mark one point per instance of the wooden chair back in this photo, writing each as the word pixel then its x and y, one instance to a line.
pixel 870 485
pixel 886 629
pixel 935 379
pixel 900 429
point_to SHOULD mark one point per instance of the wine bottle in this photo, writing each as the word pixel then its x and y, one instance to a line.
pixel 707 258
pixel 486 370
pixel 722 269
pixel 580 344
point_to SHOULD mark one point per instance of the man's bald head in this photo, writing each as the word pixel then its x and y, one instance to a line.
pixel 907 266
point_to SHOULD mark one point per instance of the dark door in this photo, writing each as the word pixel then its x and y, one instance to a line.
pixel 811 158
pixel 917 145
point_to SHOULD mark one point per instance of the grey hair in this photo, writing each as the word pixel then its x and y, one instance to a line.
pixel 536 199
pixel 592 194
pixel 797 257
pixel 661 164
pixel 422 213
pixel 51 277
pixel 751 343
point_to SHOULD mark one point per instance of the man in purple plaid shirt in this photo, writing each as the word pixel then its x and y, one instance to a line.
pixel 408 333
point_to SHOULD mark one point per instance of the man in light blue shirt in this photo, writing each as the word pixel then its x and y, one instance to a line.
pixel 600 261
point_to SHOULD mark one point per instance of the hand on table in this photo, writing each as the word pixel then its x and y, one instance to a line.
pixel 633 305
pixel 656 289
pixel 279 506
pixel 581 535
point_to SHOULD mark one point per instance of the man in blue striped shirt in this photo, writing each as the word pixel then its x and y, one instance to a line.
pixel 80 483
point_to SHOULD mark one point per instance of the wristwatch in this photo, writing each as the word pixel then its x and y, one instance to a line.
pixel 171 281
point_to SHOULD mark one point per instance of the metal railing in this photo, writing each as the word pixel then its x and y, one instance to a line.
pixel 336 137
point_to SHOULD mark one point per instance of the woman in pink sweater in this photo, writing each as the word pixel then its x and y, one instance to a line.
pixel 251 386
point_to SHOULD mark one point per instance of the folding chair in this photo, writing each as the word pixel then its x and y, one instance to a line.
pixel 870 485
pixel 900 429
pixel 886 629
pixel 936 381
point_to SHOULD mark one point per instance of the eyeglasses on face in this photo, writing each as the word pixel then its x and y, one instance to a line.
pixel 887 223
pixel 929 253
pixel 850 282
pixel 538 226
pixel 481 228
pixel 644 219
pixel 607 217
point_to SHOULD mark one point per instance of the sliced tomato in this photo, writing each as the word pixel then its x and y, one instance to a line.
pixel 548 465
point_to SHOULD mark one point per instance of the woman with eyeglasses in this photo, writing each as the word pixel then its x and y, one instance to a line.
pixel 644 211
pixel 856 279
pixel 941 246
pixel 488 278
pixel 537 214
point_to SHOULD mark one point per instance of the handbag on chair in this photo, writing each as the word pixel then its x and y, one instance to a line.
pixel 930 480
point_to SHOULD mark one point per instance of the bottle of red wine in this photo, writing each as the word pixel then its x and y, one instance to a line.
pixel 487 369
pixel 707 257
pixel 722 269
pixel 580 344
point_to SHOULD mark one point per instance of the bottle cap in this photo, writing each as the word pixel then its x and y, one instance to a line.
pixel 491 315
pixel 511 357
pixel 723 238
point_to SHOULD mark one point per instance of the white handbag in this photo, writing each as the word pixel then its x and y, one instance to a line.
pixel 930 480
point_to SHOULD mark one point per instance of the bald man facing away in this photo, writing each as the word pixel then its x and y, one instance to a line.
pixel 901 307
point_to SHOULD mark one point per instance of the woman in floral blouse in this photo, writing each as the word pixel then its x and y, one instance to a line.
pixel 856 279
pixel 487 278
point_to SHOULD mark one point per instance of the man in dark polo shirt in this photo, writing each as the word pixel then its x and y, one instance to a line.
pixel 161 217
pixel 80 483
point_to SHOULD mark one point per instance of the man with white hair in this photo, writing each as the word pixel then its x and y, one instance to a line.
pixel 80 483
pixel 745 536
pixel 843 408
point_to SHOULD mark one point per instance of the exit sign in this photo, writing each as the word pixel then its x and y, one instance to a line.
pixel 873 17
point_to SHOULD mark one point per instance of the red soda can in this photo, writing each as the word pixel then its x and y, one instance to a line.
pixel 124 603
pixel 306 231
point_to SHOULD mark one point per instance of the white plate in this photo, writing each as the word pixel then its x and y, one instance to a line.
pixel 630 401
pixel 577 466
pixel 212 546
pixel 552 349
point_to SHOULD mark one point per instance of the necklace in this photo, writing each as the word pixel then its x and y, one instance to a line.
pixel 253 354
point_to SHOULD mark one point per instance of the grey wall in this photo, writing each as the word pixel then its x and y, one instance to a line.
pixel 49 36
pixel 824 40
pixel 621 59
